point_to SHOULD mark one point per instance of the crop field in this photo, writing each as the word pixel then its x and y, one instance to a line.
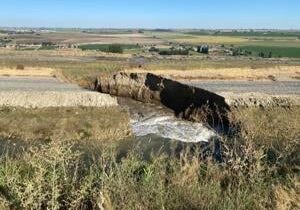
pixel 248 33
pixel 116 48
pixel 277 51
pixel 210 40
pixel 195 39
pixel 82 38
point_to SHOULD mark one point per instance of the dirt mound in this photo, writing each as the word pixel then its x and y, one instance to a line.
pixel 187 102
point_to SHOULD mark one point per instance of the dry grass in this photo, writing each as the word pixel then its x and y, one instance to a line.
pixel 27 71
pixel 288 198
pixel 210 40
pixel 279 72
pixel 82 38
pixel 94 124
pixel 61 53
pixel 260 171
pixel 75 63
pixel 270 127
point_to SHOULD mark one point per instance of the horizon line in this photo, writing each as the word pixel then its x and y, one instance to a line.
pixel 147 28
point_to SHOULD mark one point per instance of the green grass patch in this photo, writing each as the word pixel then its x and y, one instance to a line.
pixel 113 48
pixel 48 48
pixel 290 52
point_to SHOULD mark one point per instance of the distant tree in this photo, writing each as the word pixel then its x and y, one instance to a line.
pixel 247 52
pixel 235 52
pixel 261 54
pixel 153 49
pixel 203 49
pixel 47 44
pixel 270 55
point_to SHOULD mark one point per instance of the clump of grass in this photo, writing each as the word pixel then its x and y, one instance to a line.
pixel 50 177
pixel 272 78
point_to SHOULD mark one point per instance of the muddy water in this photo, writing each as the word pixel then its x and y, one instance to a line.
pixel 155 120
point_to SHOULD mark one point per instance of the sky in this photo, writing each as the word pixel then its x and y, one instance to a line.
pixel 207 14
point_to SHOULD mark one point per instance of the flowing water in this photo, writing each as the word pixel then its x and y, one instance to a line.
pixel 155 120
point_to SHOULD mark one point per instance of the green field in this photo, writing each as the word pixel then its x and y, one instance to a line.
pixel 277 51
pixel 106 47
pixel 248 33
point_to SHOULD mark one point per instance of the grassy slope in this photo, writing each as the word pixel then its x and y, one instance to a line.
pixel 260 173
pixel 97 124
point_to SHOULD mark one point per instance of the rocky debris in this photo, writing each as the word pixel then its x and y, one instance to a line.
pixel 187 102
pixel 43 99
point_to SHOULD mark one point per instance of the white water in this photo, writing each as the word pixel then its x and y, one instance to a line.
pixel 170 127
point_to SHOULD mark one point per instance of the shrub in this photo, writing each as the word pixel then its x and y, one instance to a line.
pixel 174 52
pixel 203 49
pixel 153 49
pixel 20 67
pixel 272 77
pixel 270 55
pixel 261 54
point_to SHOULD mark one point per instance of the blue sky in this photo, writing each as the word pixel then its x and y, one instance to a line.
pixel 151 13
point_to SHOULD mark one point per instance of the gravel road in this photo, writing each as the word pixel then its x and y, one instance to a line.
pixel 49 92
pixel 33 92
pixel 255 93
pixel 35 84
pixel 267 87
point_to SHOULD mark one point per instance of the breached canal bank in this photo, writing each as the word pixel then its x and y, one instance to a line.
pixel 186 102
pixel 189 114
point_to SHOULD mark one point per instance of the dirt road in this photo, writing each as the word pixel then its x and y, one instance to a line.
pixel 49 92
pixel 268 87
pixel 35 84
pixel 40 92
pixel 52 84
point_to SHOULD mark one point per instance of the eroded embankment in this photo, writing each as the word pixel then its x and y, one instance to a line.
pixel 187 102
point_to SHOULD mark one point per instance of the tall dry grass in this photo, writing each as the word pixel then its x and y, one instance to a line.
pixel 260 171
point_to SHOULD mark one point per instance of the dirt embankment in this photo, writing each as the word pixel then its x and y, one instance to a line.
pixel 44 99
pixel 187 102
pixel 40 92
